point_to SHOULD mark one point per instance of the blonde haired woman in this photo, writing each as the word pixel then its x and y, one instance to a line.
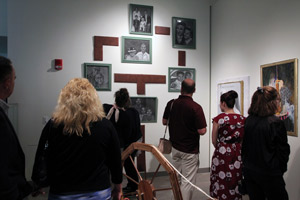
pixel 83 147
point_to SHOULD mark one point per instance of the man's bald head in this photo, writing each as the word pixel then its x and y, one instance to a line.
pixel 188 86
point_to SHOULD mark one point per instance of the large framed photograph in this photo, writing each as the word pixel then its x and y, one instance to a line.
pixel 147 108
pixel 140 19
pixel 177 75
pixel 237 86
pixel 283 76
pixel 184 33
pixel 136 50
pixel 99 75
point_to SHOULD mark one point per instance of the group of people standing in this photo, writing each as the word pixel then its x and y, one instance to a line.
pixel 141 22
pixel 254 149
pixel 84 140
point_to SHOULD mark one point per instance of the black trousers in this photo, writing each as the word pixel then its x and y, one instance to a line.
pixel 131 172
pixel 262 187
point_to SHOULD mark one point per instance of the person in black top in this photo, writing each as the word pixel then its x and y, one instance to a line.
pixel 13 184
pixel 83 155
pixel 126 120
pixel 265 148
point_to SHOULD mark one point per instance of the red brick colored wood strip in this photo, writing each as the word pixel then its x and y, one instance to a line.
pixel 99 41
pixel 181 58
pixel 140 80
pixel 160 30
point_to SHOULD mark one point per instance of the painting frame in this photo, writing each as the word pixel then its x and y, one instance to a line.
pixel 237 86
pixel 147 108
pixel 283 76
pixel 174 82
pixel 183 33
pixel 96 72
pixel 136 50
pixel 138 14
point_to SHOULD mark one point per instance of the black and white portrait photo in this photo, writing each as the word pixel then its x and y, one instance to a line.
pixel 184 33
pixel 98 75
pixel 177 75
pixel 147 108
pixel 141 18
pixel 136 50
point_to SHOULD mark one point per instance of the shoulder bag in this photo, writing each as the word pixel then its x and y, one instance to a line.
pixel 165 145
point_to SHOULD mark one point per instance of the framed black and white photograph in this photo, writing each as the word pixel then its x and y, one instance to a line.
pixel 140 19
pixel 136 50
pixel 184 33
pixel 177 75
pixel 147 108
pixel 99 75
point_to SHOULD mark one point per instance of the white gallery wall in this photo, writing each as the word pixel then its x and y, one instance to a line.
pixel 41 31
pixel 247 34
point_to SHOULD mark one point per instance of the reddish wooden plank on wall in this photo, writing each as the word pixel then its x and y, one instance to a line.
pixel 99 42
pixel 160 30
pixel 141 159
pixel 181 58
pixel 140 80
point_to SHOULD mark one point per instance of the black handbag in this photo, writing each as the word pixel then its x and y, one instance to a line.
pixel 40 167
pixel 40 175
pixel 242 186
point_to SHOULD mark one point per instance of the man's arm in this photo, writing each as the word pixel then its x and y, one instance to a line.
pixel 201 131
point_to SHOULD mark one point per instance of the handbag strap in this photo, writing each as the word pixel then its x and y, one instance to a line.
pixel 168 118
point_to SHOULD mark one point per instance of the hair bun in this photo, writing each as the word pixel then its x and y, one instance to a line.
pixel 233 94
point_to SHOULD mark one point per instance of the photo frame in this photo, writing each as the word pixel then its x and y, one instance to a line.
pixel 140 19
pixel 177 75
pixel 99 75
pixel 238 87
pixel 147 108
pixel 283 76
pixel 136 50
pixel 183 33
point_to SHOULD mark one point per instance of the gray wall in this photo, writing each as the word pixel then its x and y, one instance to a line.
pixel 40 31
pixel 247 34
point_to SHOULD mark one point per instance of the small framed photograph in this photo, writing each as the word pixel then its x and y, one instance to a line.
pixel 184 33
pixel 147 108
pixel 283 76
pixel 99 75
pixel 136 50
pixel 140 19
pixel 177 75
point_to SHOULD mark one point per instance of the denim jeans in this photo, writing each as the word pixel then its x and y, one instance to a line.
pixel 99 195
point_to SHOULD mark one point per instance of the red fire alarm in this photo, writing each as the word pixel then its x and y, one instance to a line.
pixel 58 64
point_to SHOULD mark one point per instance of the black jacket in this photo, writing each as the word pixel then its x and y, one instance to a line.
pixel 81 164
pixel 13 184
pixel 128 126
pixel 265 149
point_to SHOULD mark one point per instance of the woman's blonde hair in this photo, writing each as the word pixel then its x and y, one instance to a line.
pixel 78 105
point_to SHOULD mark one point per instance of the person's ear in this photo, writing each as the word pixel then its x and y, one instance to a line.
pixel 7 83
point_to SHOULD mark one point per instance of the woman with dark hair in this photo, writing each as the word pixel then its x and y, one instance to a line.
pixel 227 135
pixel 126 120
pixel 265 151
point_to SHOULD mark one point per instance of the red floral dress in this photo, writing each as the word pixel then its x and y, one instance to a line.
pixel 226 166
